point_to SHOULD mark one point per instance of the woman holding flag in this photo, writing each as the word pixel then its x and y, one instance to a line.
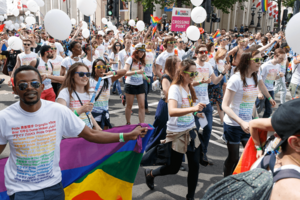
pixel 100 109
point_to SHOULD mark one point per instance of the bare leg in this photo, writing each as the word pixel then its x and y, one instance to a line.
pixel 141 103
pixel 129 103
pixel 221 112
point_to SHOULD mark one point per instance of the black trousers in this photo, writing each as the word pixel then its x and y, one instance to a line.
pixel 173 168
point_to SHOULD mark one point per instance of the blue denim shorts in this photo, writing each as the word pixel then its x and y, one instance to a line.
pixel 55 192
pixel 235 134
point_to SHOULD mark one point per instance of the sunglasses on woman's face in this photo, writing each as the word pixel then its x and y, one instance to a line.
pixel 171 42
pixel 34 84
pixel 223 40
pixel 181 42
pixel 26 44
pixel 54 48
pixel 192 74
pixel 257 60
pixel 203 52
pixel 100 67
pixel 81 74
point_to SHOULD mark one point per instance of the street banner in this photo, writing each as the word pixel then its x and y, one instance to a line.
pixel 181 18
pixel 124 6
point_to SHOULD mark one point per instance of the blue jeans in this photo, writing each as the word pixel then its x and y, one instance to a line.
pixel 55 192
pixel 118 86
pixel 268 107
pixel 207 129
pixel 147 87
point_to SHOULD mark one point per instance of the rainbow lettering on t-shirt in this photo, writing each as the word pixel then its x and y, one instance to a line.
pixel 186 120
pixel 201 90
pixel 271 76
pixel 35 145
pixel 246 107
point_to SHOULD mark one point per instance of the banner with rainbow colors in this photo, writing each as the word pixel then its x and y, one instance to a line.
pixel 93 171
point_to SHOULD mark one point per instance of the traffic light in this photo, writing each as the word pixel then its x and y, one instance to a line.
pixel 110 7
pixel 214 18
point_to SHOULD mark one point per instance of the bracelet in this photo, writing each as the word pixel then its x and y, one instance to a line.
pixel 258 148
pixel 195 113
pixel 269 98
pixel 114 73
pixel 135 72
pixel 200 83
pixel 75 112
pixel 121 136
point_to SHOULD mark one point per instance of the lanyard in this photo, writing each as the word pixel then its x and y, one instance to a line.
pixel 82 105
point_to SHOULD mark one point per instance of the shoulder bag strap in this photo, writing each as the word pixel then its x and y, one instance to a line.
pixel 82 105
pixel 99 93
pixel 285 173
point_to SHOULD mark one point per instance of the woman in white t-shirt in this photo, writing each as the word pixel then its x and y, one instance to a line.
pixel 75 94
pixel 100 110
pixel 67 62
pixel 134 85
pixel 89 52
pixel 114 62
pixel 180 128
pixel 238 104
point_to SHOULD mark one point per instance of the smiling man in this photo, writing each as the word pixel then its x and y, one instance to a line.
pixel 34 129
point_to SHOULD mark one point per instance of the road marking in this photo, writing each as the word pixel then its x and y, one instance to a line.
pixel 133 107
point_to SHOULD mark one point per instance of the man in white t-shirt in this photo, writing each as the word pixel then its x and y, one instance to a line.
pixel 295 81
pixel 60 49
pixel 169 44
pixel 32 119
pixel 205 76
pixel 270 71
pixel 101 48
pixel 179 48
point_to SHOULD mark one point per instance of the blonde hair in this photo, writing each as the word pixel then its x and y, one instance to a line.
pixel 221 52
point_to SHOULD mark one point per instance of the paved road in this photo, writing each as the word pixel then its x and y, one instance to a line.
pixel 168 187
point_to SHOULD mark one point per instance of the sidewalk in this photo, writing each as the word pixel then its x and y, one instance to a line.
pixel 5 89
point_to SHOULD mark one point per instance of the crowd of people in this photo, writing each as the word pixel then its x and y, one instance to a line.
pixel 234 76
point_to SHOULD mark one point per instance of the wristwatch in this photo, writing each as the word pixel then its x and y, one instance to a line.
pixel 223 73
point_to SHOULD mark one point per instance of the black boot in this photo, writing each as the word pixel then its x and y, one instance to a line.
pixel 149 179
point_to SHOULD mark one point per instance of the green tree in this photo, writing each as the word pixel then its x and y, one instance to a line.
pixel 224 5
pixel 286 3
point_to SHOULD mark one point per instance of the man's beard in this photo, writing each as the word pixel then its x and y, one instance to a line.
pixel 50 56
pixel 32 102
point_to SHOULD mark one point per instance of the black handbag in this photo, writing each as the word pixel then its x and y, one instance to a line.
pixel 158 155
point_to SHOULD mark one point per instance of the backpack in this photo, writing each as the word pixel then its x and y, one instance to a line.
pixel 254 184
pixel 38 62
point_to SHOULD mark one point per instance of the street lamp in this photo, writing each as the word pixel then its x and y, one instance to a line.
pixel 259 17
pixel 253 8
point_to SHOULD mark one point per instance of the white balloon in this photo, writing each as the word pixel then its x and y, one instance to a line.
pixel 114 28
pixel 101 33
pixel 291 35
pixel 5 16
pixel 8 23
pixel 185 40
pixel 27 12
pixel 40 3
pixel 21 18
pixel 11 27
pixel 15 43
pixel 16 12
pixel 193 33
pixel 140 25
pixel 73 21
pixel 110 25
pixel 108 29
pixel 1 18
pixel 17 26
pixel 23 25
pixel 58 24
pixel 30 20
pixel 196 2
pixel 87 7
pixel 32 6
pixel 31 15
pixel 131 22
pixel 104 20
pixel 84 25
pixel 198 15
pixel 85 33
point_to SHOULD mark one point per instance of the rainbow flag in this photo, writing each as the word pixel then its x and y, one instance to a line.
pixel 2 27
pixel 217 34
pixel 93 171
pixel 154 21
pixel 248 157
pixel 264 5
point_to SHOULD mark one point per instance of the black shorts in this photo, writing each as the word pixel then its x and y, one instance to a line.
pixel 134 89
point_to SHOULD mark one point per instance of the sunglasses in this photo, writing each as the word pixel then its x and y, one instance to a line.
pixel 190 100
pixel 257 60
pixel 46 66
pixel 171 42
pixel 26 44
pixel 242 41
pixel 223 40
pixel 81 74
pixel 54 48
pixel 181 42
pixel 100 66
pixel 192 74
pixel 149 43
pixel 34 84
pixel 118 45
pixel 203 52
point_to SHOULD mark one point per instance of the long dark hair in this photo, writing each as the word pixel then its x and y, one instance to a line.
pixel 69 81
pixel 114 49
pixel 136 58
pixel 178 79
pixel 93 75
pixel 244 64
pixel 170 65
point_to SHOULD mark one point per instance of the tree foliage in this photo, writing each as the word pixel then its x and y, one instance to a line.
pixel 224 5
